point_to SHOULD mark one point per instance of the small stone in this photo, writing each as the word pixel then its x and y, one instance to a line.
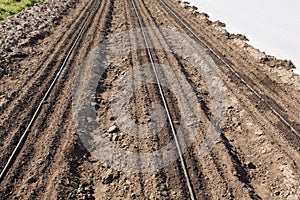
pixel 19 54
pixel 277 193
pixel 93 104
pixel 234 120
pixel 74 185
pixel 108 179
pixel 110 176
pixel 112 129
pixel 112 118
pixel 81 190
pixel 230 108
pixel 88 188
pixel 250 165
pixel 115 138
pixel 176 122
pixel 71 196
pixel 259 133
pixel 133 195
pixel 152 196
pixel 80 196
pixel 91 175
pixel 32 180
pixel 164 193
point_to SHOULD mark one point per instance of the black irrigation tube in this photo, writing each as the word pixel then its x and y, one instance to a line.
pixel 37 111
pixel 183 164
pixel 232 70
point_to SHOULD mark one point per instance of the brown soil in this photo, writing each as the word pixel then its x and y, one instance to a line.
pixel 255 157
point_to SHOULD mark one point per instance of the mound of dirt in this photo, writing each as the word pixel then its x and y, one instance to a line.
pixel 27 28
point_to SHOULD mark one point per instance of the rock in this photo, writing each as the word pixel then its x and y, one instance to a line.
pixel 108 179
pixel 259 133
pixel 32 180
pixel 235 120
pixel 277 193
pixel 112 118
pixel 80 196
pixel 238 36
pixel 218 23
pixel 115 138
pixel 230 107
pixel 37 35
pixel 19 54
pixel 19 28
pixel 74 185
pixel 229 194
pixel 110 176
pixel 133 195
pixel 164 193
pixel 112 129
pixel 95 105
pixel 250 165
pixel 91 175
pixel 1 73
pixel 183 5
pixel 81 190
pixel 152 196
pixel 203 16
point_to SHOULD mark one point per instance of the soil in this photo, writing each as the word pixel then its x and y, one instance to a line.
pixel 256 156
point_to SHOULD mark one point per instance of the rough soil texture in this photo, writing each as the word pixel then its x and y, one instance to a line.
pixel 26 29
pixel 255 157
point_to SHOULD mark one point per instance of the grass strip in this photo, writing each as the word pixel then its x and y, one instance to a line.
pixel 11 7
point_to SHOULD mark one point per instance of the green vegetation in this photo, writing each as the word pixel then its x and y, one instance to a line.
pixel 11 7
